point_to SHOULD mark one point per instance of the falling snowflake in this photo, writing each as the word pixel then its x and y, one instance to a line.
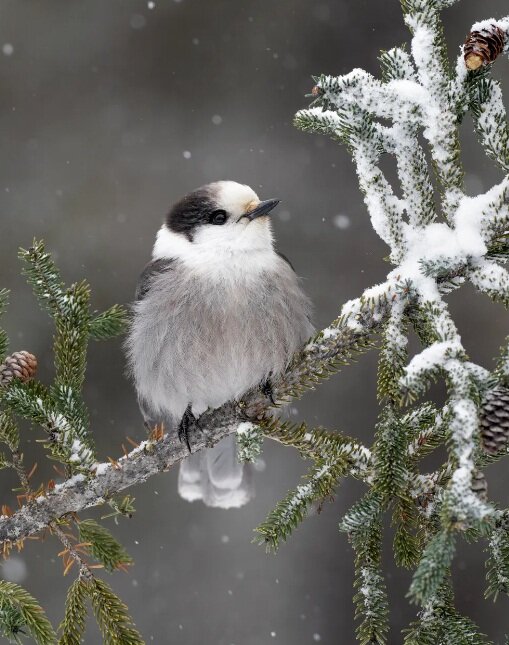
pixel 341 221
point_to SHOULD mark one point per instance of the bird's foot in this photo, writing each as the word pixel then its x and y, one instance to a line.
pixel 188 419
pixel 267 390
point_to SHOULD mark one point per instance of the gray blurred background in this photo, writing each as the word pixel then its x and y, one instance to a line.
pixel 109 111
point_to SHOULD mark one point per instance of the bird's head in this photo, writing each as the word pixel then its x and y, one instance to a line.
pixel 223 214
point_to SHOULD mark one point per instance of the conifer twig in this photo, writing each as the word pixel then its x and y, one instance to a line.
pixel 73 553
pixel 333 346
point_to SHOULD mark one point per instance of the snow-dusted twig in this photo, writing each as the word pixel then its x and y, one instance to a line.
pixel 333 345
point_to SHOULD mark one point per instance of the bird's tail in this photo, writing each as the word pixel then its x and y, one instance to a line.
pixel 216 477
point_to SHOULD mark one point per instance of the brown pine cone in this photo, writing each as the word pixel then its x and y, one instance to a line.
pixel 494 420
pixel 21 365
pixel 483 47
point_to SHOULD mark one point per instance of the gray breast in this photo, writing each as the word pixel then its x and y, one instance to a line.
pixel 203 341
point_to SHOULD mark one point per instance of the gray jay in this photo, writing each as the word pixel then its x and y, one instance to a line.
pixel 218 311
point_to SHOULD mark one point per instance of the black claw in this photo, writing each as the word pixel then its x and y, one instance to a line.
pixel 266 388
pixel 187 420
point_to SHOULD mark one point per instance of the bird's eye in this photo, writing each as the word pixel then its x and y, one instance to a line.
pixel 218 217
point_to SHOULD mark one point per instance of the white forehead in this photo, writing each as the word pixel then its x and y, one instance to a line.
pixel 234 197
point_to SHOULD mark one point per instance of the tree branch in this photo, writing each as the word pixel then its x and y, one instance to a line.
pixel 333 346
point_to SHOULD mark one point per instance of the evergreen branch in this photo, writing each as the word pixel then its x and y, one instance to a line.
pixel 9 433
pixel 393 354
pixel 360 93
pixel 4 300
pixel 109 323
pixel 249 442
pixel 408 542
pixel 418 93
pixel 391 457
pixel 70 406
pixel 71 553
pixel 427 366
pixel 356 129
pixel 502 369
pixel 112 616
pixel 321 357
pixel 43 275
pixel 317 442
pixel 320 483
pixel 439 116
pixel 73 623
pixel 397 65
pixel 4 342
pixel 363 514
pixel 71 340
pixel 497 565
pixel 487 107
pixel 427 428
pixel 67 438
pixel 371 597
pixel 440 622
pixel 19 610
pixel 402 141
pixel 447 354
pixel 492 279
pixel 4 461
pixel 413 174
pixel 433 567
pixel 103 546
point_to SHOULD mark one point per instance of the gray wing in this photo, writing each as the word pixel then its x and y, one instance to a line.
pixel 283 257
pixel 152 269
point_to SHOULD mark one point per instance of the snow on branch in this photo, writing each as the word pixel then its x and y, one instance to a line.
pixel 332 347
pixel 435 246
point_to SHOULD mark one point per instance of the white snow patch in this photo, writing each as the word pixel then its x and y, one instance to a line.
pixel 101 468
pixel 246 427
pixel 433 356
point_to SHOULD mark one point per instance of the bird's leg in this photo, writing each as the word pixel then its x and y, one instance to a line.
pixel 266 388
pixel 187 420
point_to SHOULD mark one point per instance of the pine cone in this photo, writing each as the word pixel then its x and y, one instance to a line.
pixel 482 47
pixel 21 365
pixel 480 485
pixel 494 420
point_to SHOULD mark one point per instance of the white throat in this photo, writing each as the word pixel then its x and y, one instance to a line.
pixel 229 250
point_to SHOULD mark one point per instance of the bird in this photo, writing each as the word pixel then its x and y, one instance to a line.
pixel 218 311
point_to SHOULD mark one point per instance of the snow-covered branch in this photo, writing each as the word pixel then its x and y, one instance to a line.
pixel 437 242
pixel 334 345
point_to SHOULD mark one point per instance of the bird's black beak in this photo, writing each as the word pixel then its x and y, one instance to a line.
pixel 263 208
